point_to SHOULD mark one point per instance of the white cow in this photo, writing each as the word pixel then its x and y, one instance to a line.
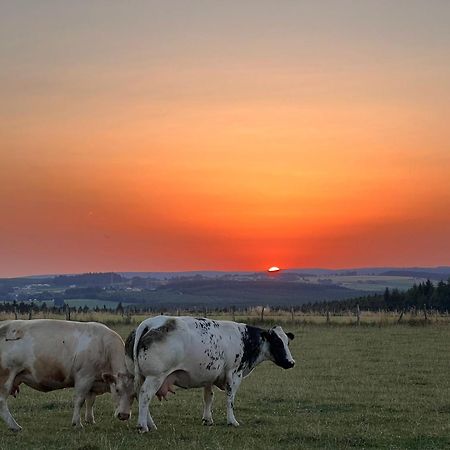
pixel 194 353
pixel 56 354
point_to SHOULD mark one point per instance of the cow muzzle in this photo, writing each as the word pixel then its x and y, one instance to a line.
pixel 123 416
pixel 289 364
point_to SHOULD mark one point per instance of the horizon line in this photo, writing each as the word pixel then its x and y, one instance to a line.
pixel 442 266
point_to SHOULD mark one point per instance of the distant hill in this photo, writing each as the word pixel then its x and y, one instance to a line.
pixel 217 289
pixel 418 274
pixel 186 274
pixel 220 293
pixel 88 279
pixel 300 272
pixel 413 271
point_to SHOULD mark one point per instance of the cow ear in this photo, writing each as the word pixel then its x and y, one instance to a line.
pixel 108 378
pixel 290 336
pixel 265 335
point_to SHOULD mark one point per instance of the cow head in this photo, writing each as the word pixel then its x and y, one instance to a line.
pixel 278 347
pixel 122 391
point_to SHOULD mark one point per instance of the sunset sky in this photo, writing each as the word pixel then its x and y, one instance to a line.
pixel 223 135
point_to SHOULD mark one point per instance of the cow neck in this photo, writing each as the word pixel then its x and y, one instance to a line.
pixel 117 360
pixel 263 355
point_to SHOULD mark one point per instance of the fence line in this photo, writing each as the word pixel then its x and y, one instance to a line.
pixel 261 315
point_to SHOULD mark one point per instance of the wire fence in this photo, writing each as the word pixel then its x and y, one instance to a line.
pixel 255 315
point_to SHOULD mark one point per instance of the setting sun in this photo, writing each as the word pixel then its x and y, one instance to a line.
pixel 273 269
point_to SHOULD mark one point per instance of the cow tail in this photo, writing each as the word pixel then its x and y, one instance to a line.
pixel 141 330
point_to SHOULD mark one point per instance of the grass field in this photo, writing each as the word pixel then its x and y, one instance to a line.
pixel 352 387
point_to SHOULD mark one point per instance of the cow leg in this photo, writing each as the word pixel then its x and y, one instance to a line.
pixel 232 385
pixel 5 389
pixel 208 396
pixel 82 389
pixel 78 403
pixel 90 399
pixel 146 393
pixel 6 415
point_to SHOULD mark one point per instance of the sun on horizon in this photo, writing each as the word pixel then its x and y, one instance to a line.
pixel 273 269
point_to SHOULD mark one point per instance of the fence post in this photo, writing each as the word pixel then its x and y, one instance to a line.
pixel 67 312
pixel 292 313
pixel 328 317
pixel 262 313
pixel 425 311
pixel 401 316
pixel 30 313
pixel 233 309
pixel 15 312
pixel 358 314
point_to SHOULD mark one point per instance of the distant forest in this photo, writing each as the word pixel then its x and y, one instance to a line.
pixel 196 291
pixel 424 295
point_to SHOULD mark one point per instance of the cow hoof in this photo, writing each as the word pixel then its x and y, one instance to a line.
pixel 207 422
pixel 16 429
pixel 233 424
pixel 90 422
pixel 142 429
pixel 78 426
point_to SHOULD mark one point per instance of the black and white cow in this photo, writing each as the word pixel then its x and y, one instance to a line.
pixel 194 353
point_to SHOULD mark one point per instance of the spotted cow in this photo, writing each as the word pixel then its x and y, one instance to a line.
pixel 55 354
pixel 193 353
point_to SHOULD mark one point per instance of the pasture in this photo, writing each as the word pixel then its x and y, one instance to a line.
pixel 352 387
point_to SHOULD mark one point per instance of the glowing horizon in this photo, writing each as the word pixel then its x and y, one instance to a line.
pixel 166 138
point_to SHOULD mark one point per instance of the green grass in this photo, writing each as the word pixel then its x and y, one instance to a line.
pixel 352 387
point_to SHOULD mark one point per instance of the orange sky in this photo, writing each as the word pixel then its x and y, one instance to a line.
pixel 223 137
